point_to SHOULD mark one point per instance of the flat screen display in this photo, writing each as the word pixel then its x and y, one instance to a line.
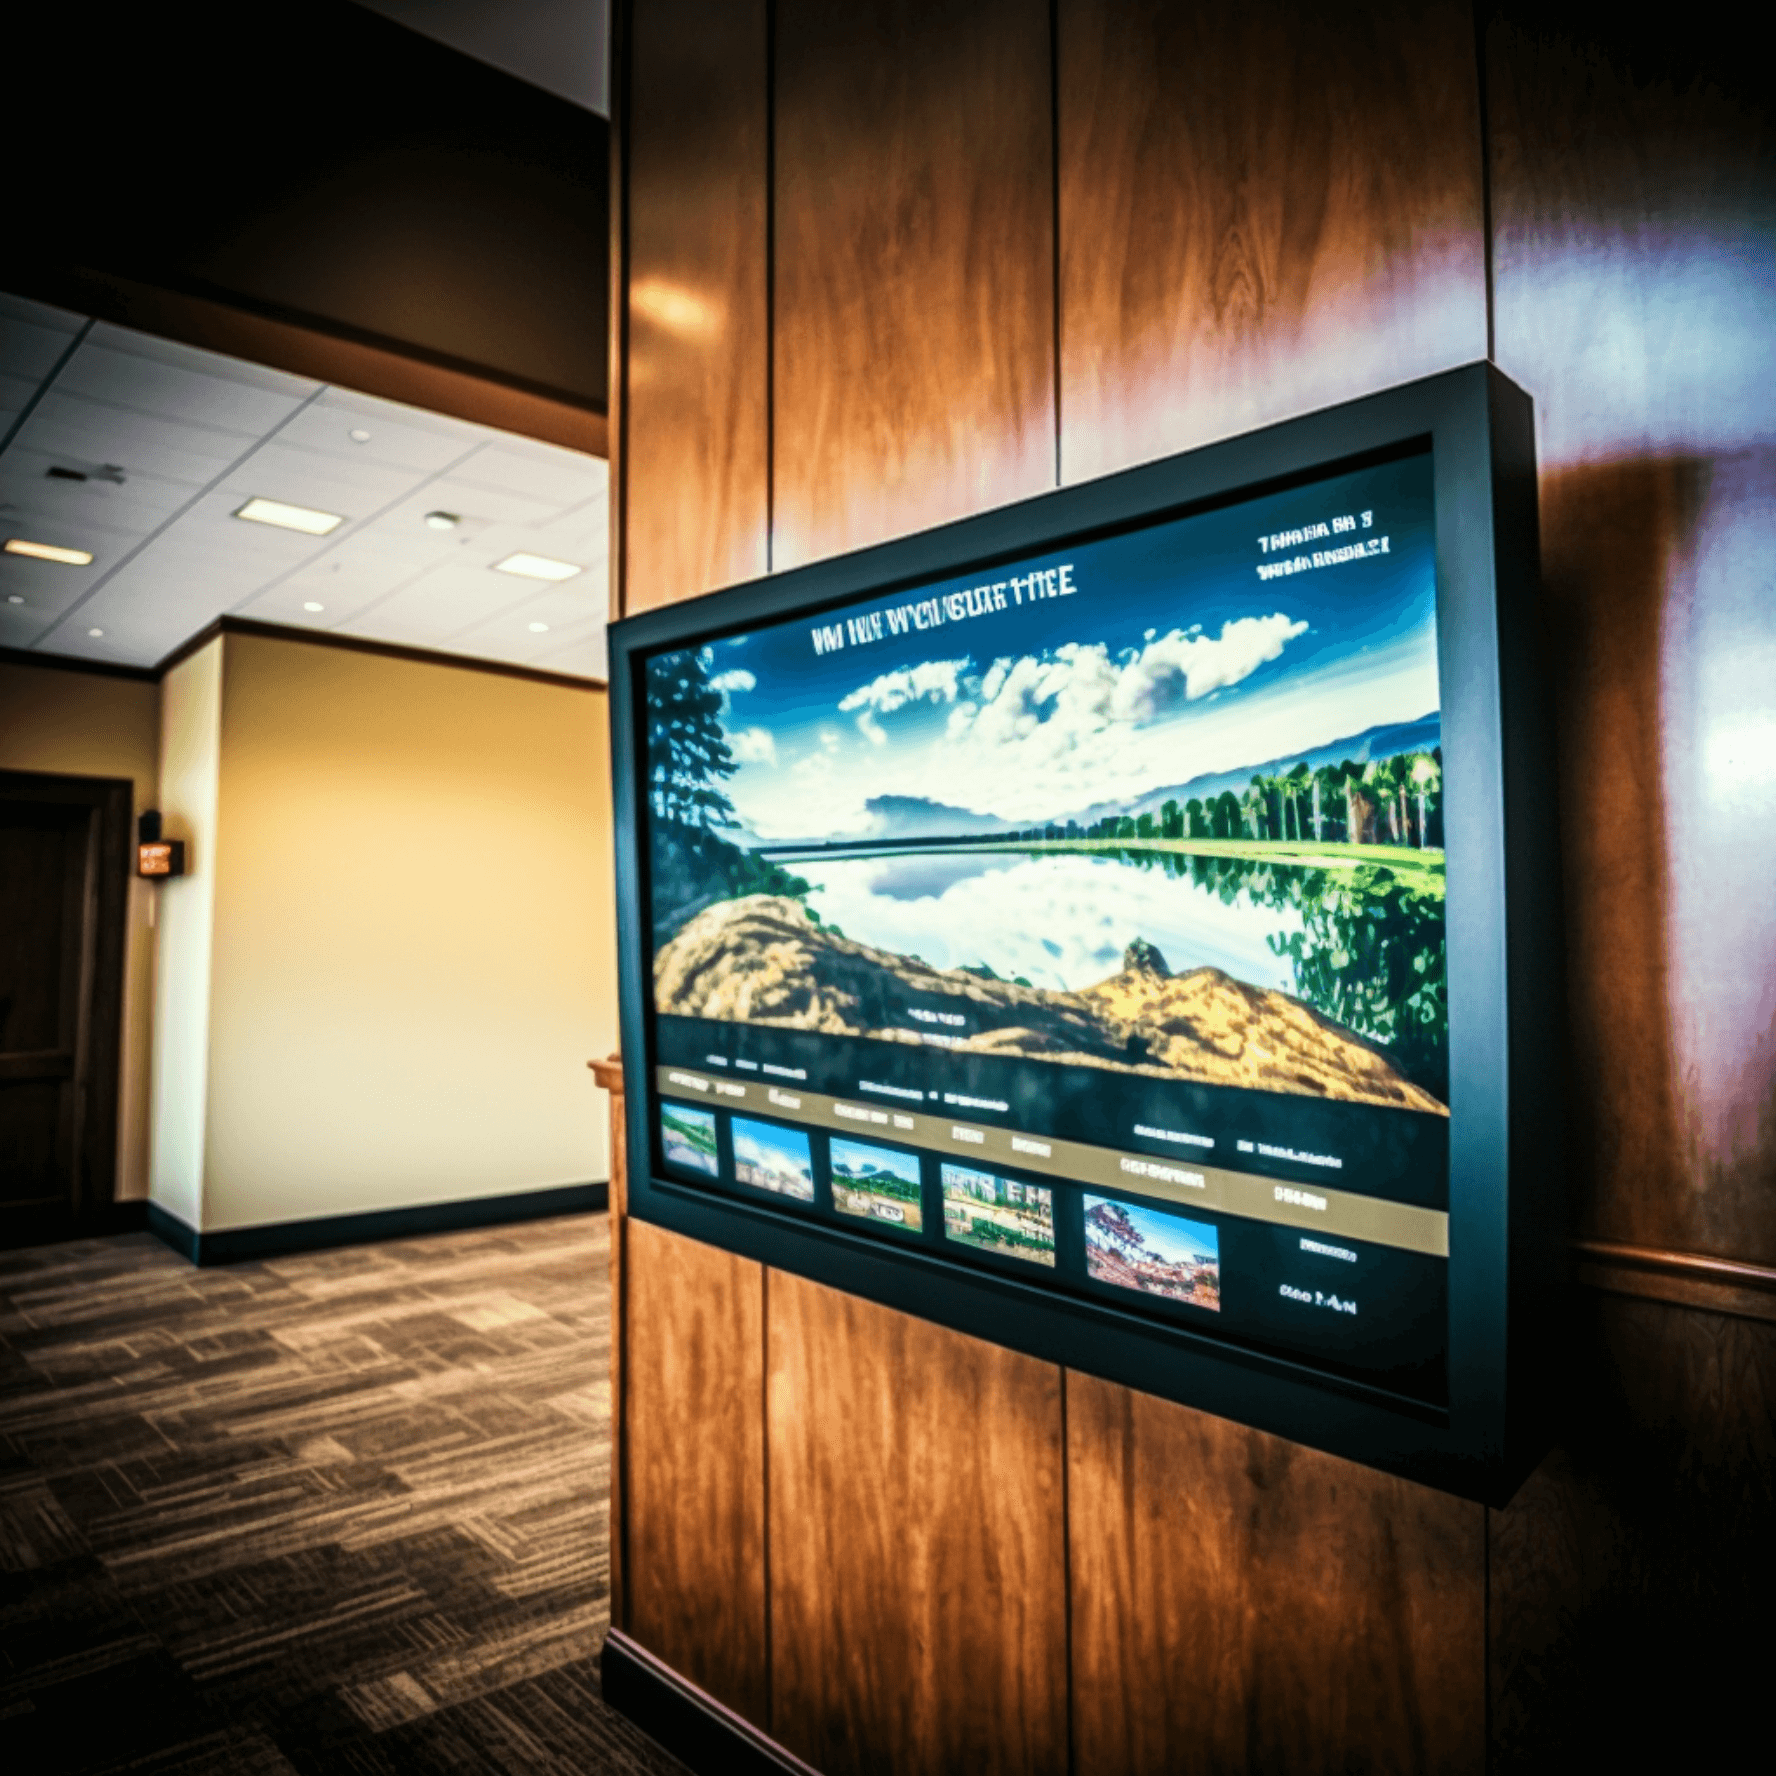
pixel 1082 918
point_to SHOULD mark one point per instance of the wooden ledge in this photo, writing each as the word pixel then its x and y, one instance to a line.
pixel 609 1073
pixel 1687 1279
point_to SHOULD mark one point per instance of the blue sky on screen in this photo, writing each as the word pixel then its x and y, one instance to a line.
pixel 773 1148
pixel 854 1158
pixel 1171 659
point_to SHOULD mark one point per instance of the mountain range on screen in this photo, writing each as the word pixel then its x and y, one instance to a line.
pixel 919 817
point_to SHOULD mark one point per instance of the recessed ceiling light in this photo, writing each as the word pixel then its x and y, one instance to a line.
pixel 360 437
pixel 13 598
pixel 443 520
pixel 95 633
pixel 302 518
pixel 49 552
pixel 312 606
pixel 536 567
pixel 539 628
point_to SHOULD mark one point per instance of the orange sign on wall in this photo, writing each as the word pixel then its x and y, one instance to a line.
pixel 166 857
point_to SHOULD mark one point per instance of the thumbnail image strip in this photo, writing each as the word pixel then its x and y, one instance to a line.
pixel 876 1183
pixel 688 1137
pixel 999 1214
pixel 1153 1252
pixel 773 1158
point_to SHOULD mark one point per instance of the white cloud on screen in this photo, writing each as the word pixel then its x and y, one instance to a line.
pixel 753 746
pixel 736 679
pixel 1042 736
pixel 934 681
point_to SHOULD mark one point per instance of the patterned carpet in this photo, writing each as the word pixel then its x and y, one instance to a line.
pixel 337 1512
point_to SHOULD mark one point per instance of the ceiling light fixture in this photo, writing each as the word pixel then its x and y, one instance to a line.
pixel 443 520
pixel 312 606
pixel 539 628
pixel 95 633
pixel 14 598
pixel 285 517
pixel 49 552
pixel 360 437
pixel 536 567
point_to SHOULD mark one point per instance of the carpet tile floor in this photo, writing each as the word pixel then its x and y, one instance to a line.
pixel 337 1512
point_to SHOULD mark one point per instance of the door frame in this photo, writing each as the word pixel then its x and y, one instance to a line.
pixel 98 1040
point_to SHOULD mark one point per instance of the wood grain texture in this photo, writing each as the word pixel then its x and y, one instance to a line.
pixel 697 384
pixel 1631 1576
pixel 1264 209
pixel 914 311
pixel 918 1594
pixel 1634 206
pixel 1240 1603
pixel 609 1075
pixel 694 1463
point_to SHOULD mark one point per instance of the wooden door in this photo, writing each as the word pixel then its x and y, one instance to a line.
pixel 64 875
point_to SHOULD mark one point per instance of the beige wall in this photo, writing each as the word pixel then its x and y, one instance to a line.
pixel 82 725
pixel 413 952
pixel 190 764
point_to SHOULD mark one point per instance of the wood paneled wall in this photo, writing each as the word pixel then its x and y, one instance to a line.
pixel 894 262
pixel 1264 208
pixel 914 298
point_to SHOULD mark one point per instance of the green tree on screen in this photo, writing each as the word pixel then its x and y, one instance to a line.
pixel 688 753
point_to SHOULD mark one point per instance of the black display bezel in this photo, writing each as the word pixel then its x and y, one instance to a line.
pixel 1506 1162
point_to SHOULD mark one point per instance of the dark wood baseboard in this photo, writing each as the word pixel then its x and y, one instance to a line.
pixel 233 1245
pixel 698 1730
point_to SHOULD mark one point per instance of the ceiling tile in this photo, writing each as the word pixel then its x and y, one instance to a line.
pixel 399 437
pixel 539 472
pixel 202 363
pixel 48 588
pixel 196 434
pixel 176 391
pixel 29 494
pixel 82 433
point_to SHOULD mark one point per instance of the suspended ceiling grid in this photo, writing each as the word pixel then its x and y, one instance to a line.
pixel 173 440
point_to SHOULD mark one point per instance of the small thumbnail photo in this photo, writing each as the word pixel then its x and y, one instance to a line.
pixel 773 1158
pixel 876 1183
pixel 1152 1251
pixel 688 1137
pixel 999 1214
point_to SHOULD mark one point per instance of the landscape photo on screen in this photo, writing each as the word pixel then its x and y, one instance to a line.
pixel 997 1214
pixel 1130 1246
pixel 687 1138
pixel 1167 802
pixel 877 1183
pixel 771 1157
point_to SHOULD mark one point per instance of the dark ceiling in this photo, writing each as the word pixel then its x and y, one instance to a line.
pixel 317 164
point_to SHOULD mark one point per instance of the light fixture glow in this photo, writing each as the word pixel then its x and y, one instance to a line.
pixel 536 567
pixel 360 437
pixel 49 552
pixel 312 606
pixel 14 598
pixel 675 308
pixel 443 520
pixel 95 633
pixel 539 628
pixel 285 517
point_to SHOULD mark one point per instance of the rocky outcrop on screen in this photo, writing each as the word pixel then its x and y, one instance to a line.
pixel 764 959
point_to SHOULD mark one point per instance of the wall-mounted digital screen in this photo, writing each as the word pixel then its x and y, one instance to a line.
pixel 1120 925
pixel 1088 914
